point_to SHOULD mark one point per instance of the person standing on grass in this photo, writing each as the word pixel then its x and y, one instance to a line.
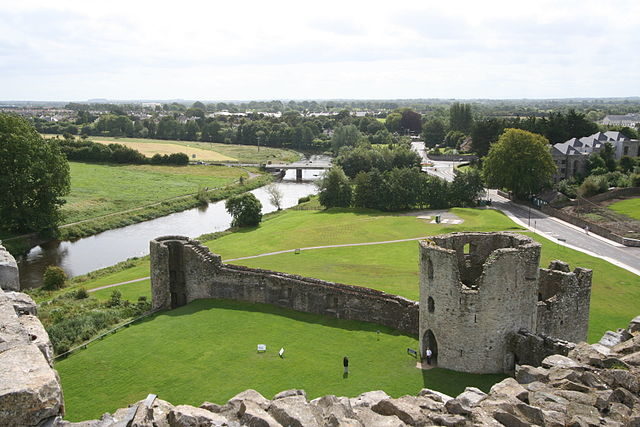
pixel 345 363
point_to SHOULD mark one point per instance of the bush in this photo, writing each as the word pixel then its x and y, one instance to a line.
pixel 304 199
pixel 115 300
pixel 568 187
pixel 81 293
pixel 635 179
pixel 53 278
pixel 201 196
pixel 592 185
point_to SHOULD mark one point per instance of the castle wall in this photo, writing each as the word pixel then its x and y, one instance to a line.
pixel 478 298
pixel 563 309
pixel 205 276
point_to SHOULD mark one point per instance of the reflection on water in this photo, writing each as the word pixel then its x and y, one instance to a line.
pixel 110 247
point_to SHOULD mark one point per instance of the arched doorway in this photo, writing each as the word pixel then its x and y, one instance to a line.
pixel 429 342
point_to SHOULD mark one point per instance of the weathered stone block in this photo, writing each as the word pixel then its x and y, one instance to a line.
pixel 29 389
pixel 9 277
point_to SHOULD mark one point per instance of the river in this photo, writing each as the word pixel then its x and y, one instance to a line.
pixel 110 247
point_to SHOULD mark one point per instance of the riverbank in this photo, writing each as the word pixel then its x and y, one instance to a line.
pixel 88 227
pixel 132 216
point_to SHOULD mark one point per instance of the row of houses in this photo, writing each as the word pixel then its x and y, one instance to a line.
pixel 571 156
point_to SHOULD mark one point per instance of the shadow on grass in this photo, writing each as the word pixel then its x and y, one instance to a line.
pixel 317 319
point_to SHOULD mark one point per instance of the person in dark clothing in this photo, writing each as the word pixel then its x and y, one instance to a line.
pixel 345 363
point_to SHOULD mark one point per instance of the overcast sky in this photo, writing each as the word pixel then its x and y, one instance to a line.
pixel 240 50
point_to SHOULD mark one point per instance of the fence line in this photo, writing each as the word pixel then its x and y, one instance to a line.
pixel 104 334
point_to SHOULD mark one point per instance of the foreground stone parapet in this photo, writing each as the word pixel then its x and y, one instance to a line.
pixel 9 278
pixel 30 390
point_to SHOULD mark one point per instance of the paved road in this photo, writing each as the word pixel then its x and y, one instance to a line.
pixel 441 169
pixel 570 235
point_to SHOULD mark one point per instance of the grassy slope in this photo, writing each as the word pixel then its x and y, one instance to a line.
pixel 628 207
pixel 101 189
pixel 180 356
pixel 242 153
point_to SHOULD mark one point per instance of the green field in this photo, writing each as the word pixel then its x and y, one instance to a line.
pixel 298 229
pixel 628 207
pixel 238 153
pixel 102 189
pixel 181 356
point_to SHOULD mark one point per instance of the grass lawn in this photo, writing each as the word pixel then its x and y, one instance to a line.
pixel 102 189
pixel 298 229
pixel 628 207
pixel 206 351
pixel 206 151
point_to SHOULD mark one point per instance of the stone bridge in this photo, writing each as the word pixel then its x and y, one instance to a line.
pixel 299 167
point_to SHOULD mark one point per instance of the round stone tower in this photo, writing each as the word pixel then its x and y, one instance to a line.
pixel 475 289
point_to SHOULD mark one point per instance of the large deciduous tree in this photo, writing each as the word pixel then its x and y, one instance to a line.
pixel 433 132
pixel 245 209
pixel 335 189
pixel 520 162
pixel 34 176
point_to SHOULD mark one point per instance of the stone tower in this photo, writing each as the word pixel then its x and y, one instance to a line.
pixel 475 290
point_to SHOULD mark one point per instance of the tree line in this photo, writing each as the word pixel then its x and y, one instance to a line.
pixel 398 189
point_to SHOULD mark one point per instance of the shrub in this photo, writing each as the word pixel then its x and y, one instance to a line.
pixel 201 196
pixel 115 300
pixel 53 278
pixel 304 199
pixel 635 179
pixel 592 185
pixel 81 293
pixel 568 188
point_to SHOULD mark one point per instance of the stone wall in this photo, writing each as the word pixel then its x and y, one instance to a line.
pixel 563 302
pixel 182 270
pixel 532 349
pixel 616 194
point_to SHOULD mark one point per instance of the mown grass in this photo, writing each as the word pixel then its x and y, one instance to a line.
pixel 206 351
pixel 103 189
pixel 238 153
pixel 628 207
pixel 299 229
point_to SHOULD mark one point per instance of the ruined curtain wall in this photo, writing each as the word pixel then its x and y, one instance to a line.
pixel 205 276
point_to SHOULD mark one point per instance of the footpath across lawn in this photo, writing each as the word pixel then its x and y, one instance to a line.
pixel 206 351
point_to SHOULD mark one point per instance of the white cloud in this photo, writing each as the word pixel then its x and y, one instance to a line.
pixel 290 49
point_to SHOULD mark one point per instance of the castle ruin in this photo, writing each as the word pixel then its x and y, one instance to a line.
pixel 477 290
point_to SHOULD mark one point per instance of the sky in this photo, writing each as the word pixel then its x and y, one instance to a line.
pixel 68 50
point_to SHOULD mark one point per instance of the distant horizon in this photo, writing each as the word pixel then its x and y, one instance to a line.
pixel 238 101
